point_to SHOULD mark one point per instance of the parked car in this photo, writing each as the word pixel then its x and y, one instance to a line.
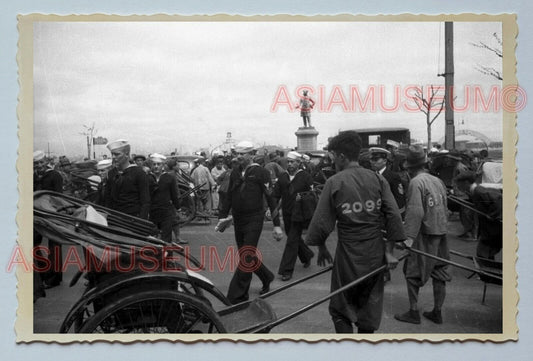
pixel 186 162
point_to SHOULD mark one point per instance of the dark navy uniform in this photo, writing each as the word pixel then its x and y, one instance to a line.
pixel 396 187
pixel 287 189
pixel 245 199
pixel 128 191
pixel 164 201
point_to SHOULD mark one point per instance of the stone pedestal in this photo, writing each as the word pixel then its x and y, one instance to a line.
pixel 306 139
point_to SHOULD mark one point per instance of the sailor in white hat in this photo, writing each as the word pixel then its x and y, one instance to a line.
pixel 248 188
pixel 244 147
pixel 158 164
pixel 164 197
pixel 98 182
pixel 127 188
pixel 120 153
pixel 104 164
pixel 288 188
pixel 39 162
pixel 244 150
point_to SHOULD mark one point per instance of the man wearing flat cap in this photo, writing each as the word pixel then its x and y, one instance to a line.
pixel 488 201
pixel 140 160
pixel 288 188
pixel 127 188
pixel 273 168
pixel 426 217
pixel 379 162
pixel 248 187
pixel 164 197
pixel 202 178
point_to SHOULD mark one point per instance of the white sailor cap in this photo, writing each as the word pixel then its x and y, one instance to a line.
pixel 378 150
pixel 294 155
pixel 244 147
pixel 393 143
pixel 94 180
pixel 157 158
pixel 117 144
pixel 104 164
pixel 38 155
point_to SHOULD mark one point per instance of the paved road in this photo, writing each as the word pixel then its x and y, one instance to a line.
pixel 462 313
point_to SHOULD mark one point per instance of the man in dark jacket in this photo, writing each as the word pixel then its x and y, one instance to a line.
pixel 164 197
pixel 127 188
pixel 360 203
pixel 46 178
pixel 379 162
pixel 248 186
pixel 288 188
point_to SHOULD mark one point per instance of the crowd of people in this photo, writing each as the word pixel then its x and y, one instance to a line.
pixel 379 199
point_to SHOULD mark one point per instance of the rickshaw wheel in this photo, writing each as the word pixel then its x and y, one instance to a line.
pixel 156 311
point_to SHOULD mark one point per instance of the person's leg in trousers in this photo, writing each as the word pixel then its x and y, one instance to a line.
pixel 342 324
pixel 247 233
pixel 411 316
pixel 288 259
pixel 240 282
pixel 439 294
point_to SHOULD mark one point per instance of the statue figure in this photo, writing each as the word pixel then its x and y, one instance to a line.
pixel 305 105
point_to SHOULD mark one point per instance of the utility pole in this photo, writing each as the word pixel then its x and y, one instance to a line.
pixel 449 132
pixel 90 133
pixel 88 148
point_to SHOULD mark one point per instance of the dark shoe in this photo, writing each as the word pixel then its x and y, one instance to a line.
pixel 342 325
pixel 286 277
pixel 266 285
pixel 308 262
pixel 435 316
pixel 410 317
pixel 182 241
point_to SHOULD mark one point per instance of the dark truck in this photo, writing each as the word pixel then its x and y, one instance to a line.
pixel 378 137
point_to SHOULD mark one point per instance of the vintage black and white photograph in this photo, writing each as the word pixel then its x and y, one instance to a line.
pixel 255 178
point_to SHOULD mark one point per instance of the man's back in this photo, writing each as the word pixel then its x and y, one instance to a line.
pixel 426 209
pixel 361 202
pixel 202 176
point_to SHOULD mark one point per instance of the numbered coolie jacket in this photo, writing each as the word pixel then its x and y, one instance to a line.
pixel 361 203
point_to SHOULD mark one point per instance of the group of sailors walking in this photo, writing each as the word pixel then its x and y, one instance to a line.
pixel 374 210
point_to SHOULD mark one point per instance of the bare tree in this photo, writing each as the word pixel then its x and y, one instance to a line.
pixel 427 105
pixel 495 49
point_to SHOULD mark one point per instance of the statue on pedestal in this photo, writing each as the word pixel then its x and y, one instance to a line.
pixel 306 104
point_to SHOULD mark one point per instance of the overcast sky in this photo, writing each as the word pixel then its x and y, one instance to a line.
pixel 184 85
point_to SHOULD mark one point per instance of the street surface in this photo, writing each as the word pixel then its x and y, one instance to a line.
pixel 463 311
